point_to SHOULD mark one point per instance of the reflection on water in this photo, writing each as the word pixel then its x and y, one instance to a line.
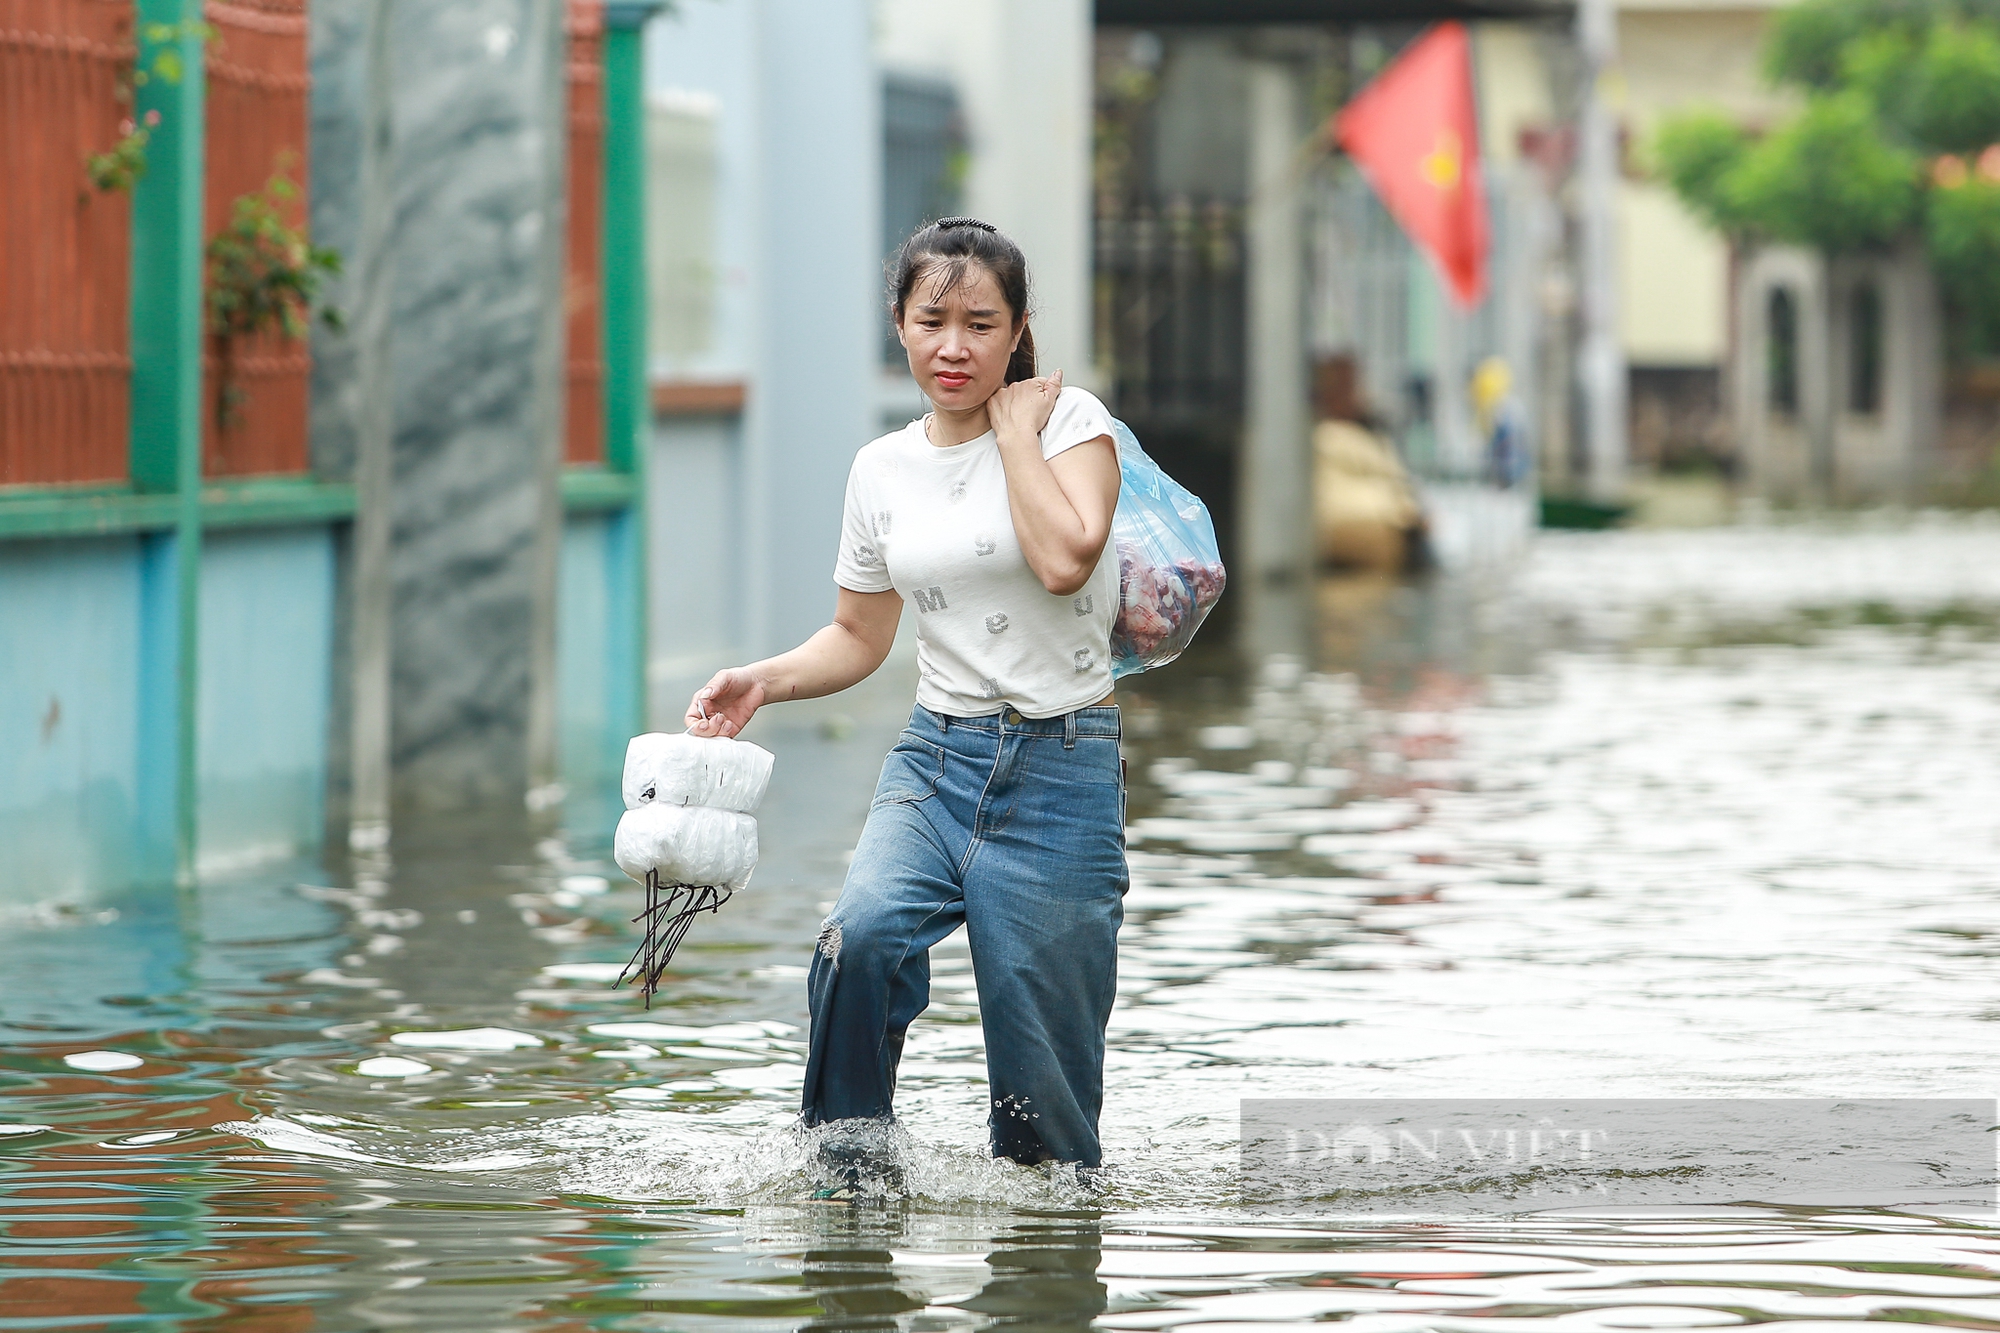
pixel 1673 814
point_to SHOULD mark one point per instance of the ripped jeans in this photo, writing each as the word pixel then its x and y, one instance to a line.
pixel 1015 827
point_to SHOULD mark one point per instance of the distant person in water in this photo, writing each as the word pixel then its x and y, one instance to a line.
pixel 1002 805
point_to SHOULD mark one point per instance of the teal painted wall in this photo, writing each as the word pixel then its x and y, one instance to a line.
pixel 588 676
pixel 81 788
pixel 266 652
pixel 79 796
pixel 70 679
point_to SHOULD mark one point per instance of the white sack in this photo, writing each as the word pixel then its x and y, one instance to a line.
pixel 687 844
pixel 679 769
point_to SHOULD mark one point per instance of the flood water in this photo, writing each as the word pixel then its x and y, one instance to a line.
pixel 1701 814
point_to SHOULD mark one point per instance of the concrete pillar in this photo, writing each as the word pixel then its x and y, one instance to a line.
pixel 546 418
pixel 1912 373
pixel 815 309
pixel 1883 455
pixel 1787 456
pixel 476 371
pixel 375 448
pixel 1274 508
pixel 1032 130
pixel 1451 398
pixel 1601 358
pixel 1532 227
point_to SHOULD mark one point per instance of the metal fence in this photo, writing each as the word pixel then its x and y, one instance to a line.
pixel 64 308
pixel 1170 312
pixel 258 83
pixel 66 72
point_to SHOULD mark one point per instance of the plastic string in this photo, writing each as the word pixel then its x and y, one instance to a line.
pixel 670 910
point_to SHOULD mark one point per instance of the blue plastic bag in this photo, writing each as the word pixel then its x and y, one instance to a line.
pixel 1169 566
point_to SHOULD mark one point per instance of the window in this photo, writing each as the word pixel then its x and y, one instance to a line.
pixel 680 221
pixel 1864 349
pixel 1782 350
pixel 923 165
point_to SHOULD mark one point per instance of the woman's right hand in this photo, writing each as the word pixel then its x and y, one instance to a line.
pixel 729 700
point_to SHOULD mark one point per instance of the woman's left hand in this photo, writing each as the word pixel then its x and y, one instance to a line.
pixel 1023 408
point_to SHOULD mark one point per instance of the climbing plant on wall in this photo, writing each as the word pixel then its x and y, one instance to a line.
pixel 262 278
pixel 117 167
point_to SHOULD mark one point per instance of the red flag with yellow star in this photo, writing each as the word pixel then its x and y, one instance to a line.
pixel 1414 133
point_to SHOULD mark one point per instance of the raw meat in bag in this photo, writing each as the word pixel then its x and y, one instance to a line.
pixel 1169 565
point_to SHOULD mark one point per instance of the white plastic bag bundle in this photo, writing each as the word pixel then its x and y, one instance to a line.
pixel 687 834
pixel 678 769
pixel 692 844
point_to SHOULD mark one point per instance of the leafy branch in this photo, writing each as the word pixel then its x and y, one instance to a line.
pixel 165 40
pixel 263 276
pixel 125 161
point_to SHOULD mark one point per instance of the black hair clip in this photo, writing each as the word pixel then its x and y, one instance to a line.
pixel 946 224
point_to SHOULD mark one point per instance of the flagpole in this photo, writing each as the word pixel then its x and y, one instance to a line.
pixel 1601 359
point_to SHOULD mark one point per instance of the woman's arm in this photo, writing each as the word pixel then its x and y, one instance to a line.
pixel 844 653
pixel 1062 507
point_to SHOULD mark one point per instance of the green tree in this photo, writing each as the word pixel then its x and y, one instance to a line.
pixel 1896 139
pixel 1964 234
pixel 1829 179
pixel 1698 153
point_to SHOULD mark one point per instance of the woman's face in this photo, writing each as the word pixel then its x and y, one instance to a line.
pixel 959 341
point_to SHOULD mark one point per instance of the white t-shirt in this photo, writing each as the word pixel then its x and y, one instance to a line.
pixel 933 524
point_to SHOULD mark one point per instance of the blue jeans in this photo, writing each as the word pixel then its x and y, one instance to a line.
pixel 1015 827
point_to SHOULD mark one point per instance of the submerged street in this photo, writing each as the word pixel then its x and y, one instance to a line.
pixel 1661 815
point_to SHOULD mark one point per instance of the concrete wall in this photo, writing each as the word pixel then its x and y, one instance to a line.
pixel 682 244
pixel 797 186
pixel 817 281
pixel 1673 298
pixel 1891 453
pixel 696 618
pixel 1827 450
pixel 705 56
pixel 1786 454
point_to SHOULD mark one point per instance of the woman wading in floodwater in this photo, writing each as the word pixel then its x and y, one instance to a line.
pixel 1001 806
